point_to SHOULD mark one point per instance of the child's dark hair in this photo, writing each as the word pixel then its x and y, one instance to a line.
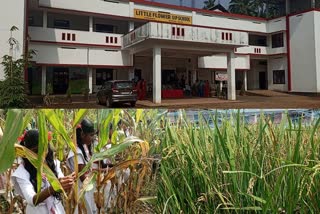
pixel 86 127
pixel 31 141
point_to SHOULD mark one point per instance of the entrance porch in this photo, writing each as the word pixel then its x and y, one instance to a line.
pixel 157 44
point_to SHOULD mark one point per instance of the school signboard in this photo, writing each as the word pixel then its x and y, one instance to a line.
pixel 221 76
pixel 162 17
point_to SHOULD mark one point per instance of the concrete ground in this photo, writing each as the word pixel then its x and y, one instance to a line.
pixel 254 99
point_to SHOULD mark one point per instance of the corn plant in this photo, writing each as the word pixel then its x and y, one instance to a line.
pixel 235 167
pixel 63 123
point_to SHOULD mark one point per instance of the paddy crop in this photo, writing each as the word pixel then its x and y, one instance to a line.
pixel 235 167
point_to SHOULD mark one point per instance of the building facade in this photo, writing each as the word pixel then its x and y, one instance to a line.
pixel 81 44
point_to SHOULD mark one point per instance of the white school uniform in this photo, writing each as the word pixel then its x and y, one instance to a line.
pixel 89 195
pixel 24 187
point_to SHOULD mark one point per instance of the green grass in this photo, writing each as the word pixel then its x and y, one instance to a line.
pixel 240 168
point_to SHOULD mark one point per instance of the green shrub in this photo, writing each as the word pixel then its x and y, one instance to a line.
pixel 12 89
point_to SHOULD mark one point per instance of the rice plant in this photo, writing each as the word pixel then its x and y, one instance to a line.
pixel 235 167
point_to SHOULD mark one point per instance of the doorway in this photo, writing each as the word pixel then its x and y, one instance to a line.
pixel 263 80
pixel 137 75
pixel 60 80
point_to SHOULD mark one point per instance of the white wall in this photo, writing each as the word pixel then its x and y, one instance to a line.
pixel 303 58
pixel 95 6
pixel 317 45
pixel 53 54
pixel 220 61
pixel 276 25
pixel 12 13
pixel 277 63
pixel 98 56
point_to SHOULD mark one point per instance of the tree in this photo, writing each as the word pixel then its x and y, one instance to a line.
pixel 260 8
pixel 12 89
pixel 209 4
pixel 246 7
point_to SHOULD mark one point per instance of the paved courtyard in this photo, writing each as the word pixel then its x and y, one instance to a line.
pixel 255 99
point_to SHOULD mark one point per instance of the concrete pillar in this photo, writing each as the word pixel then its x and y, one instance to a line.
pixel 45 19
pixel 90 80
pixel 157 75
pixel 94 82
pixel 131 26
pixel 43 80
pixel 231 76
pixel 313 3
pixel 245 80
pixel 90 24
pixel 131 70
pixel 194 76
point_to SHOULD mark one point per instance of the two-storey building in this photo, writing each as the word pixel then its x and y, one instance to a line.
pixel 81 43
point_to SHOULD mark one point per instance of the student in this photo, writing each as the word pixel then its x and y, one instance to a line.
pixel 25 180
pixel 85 137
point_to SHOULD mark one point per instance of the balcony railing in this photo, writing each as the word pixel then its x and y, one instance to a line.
pixel 259 50
pixel 66 36
pixel 153 30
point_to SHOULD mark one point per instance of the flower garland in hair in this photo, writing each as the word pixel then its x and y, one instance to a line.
pixel 21 138
pixel 49 136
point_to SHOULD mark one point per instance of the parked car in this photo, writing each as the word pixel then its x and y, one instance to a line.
pixel 117 91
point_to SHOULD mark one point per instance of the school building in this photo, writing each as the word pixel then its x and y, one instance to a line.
pixel 81 44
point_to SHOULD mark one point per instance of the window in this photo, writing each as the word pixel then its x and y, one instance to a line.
pixel 257 40
pixel 123 85
pixel 103 75
pixel 35 18
pixel 279 77
pixel 105 28
pixel 277 40
pixel 30 20
pixel 62 24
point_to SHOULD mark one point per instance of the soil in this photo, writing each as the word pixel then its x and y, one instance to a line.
pixel 284 101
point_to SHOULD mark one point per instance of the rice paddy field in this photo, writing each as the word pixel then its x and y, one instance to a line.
pixel 235 161
pixel 241 167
